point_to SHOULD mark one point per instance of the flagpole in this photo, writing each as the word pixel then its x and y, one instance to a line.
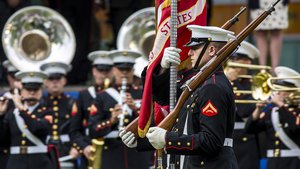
pixel 173 75
pixel 173 43
pixel 173 70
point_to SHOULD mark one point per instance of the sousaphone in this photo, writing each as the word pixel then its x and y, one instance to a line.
pixel 36 35
pixel 137 33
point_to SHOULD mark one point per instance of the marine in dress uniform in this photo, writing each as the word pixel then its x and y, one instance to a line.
pixel 27 126
pixel 102 66
pixel 280 121
pixel 61 106
pixel 115 108
pixel 202 135
pixel 245 145
pixel 13 83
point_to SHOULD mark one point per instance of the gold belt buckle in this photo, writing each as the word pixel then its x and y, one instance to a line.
pixel 23 150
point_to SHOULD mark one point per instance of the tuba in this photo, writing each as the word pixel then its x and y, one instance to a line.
pixel 137 33
pixel 36 35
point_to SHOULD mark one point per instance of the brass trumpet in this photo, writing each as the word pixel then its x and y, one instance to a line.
pixel 95 161
pixel 263 85
pixel 247 66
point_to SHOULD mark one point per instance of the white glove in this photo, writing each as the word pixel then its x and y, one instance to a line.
pixel 156 137
pixel 128 139
pixel 171 56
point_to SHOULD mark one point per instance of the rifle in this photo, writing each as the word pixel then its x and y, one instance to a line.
pixel 133 126
pixel 211 66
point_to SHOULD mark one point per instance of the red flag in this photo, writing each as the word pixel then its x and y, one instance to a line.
pixel 190 12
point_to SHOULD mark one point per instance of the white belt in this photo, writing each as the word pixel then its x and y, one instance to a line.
pixel 87 132
pixel 64 138
pixel 239 125
pixel 228 142
pixel 113 134
pixel 28 149
pixel 284 153
pixel 66 164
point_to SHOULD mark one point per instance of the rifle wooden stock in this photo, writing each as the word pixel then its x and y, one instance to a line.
pixel 222 55
pixel 133 126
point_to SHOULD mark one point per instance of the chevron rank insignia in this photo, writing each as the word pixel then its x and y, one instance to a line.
pixel 209 109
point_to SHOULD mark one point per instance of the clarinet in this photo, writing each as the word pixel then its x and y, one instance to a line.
pixel 121 102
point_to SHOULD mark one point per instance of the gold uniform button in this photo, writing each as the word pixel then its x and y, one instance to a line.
pixel 25 126
pixel 55 137
pixel 67 116
pixel 23 142
pixel 55 121
pixel 277 142
pixel 55 102
pixel 103 123
pixel 176 130
pixel 177 162
pixel 54 133
pixel 5 151
pixel 80 151
pixel 33 116
pixel 74 144
pixel 111 109
pixel 188 143
pixel 108 122
pixel 202 163
pixel 291 109
pixel 126 120
pixel 105 147
pixel 54 127
pixel 170 143
pixel 276 135
pixel 99 126
pixel 245 139
pixel 23 135
pixel 177 120
pixel 55 108
pixel 188 106
pixel 179 143
pixel 56 114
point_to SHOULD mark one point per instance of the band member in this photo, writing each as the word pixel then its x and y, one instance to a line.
pixel 60 105
pixel 115 108
pixel 27 126
pixel 281 121
pixel 13 83
pixel 204 128
pixel 102 66
pixel 245 145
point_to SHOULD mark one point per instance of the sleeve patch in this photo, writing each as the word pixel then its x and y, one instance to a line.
pixel 209 109
pixel 49 118
pixel 93 110
pixel 74 110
